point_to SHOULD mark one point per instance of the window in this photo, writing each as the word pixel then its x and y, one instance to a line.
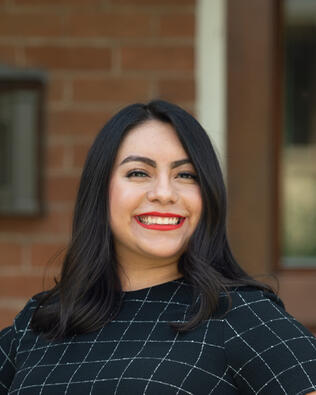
pixel 299 139
pixel 21 97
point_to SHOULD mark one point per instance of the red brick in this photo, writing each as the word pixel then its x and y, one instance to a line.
pixel 7 54
pixel 80 154
pixel 30 25
pixel 111 90
pixel 71 122
pixel 7 316
pixel 57 3
pixel 54 157
pixel 44 254
pixel 10 253
pixel 53 223
pixel 158 58
pixel 177 90
pixel 55 90
pixel 108 25
pixel 177 25
pixel 62 188
pixel 23 286
pixel 155 2
pixel 69 58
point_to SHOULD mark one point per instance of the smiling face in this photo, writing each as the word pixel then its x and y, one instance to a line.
pixel 155 200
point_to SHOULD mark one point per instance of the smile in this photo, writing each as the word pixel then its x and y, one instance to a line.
pixel 160 221
pixel 149 220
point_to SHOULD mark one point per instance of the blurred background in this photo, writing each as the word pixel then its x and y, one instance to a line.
pixel 245 68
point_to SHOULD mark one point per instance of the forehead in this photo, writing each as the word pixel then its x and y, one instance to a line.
pixel 151 138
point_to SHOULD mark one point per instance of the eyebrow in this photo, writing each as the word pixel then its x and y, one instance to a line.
pixel 152 163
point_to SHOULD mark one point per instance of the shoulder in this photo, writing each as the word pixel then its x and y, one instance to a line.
pixel 249 303
pixel 262 315
pixel 23 318
pixel 267 349
pixel 21 324
pixel 25 315
pixel 253 303
pixel 10 339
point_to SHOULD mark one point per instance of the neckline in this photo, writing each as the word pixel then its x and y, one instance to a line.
pixel 156 287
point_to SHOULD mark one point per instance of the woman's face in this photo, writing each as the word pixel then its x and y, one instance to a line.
pixel 155 200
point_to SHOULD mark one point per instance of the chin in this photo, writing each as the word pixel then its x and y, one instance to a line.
pixel 163 253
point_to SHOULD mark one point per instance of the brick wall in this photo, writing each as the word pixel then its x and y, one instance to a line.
pixel 100 55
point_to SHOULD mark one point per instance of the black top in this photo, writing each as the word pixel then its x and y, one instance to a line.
pixel 257 348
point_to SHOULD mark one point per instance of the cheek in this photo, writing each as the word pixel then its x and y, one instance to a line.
pixel 195 204
pixel 123 199
pixel 199 204
pixel 115 200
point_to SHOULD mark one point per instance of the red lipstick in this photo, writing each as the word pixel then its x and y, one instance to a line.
pixel 157 214
pixel 161 226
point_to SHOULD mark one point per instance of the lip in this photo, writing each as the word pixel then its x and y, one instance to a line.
pixel 161 227
pixel 157 214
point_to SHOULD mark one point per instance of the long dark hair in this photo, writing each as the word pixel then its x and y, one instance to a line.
pixel 88 294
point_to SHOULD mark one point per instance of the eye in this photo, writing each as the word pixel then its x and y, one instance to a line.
pixel 187 175
pixel 136 173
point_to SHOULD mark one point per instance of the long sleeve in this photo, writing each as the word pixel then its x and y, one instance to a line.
pixel 268 351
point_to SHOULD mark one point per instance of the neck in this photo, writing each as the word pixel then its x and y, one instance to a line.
pixel 133 278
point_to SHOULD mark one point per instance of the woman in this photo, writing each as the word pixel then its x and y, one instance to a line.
pixel 150 299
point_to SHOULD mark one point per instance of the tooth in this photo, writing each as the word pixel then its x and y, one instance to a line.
pixel 150 220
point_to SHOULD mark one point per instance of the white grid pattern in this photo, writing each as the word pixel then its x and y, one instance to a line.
pixel 256 349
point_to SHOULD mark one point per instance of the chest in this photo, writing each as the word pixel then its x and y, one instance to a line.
pixel 141 358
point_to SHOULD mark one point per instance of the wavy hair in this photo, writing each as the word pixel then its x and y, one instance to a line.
pixel 88 294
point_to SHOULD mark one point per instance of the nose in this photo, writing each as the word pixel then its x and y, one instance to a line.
pixel 162 191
